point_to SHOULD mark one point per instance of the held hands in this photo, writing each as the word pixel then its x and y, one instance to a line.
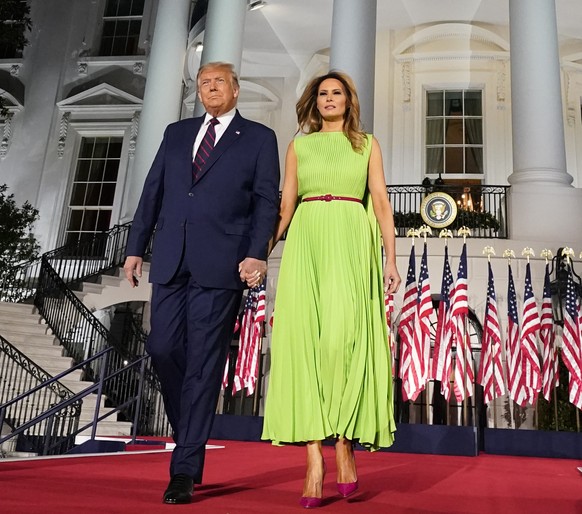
pixel 132 269
pixel 391 278
pixel 252 271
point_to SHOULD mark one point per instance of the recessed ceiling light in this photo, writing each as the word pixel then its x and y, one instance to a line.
pixel 256 4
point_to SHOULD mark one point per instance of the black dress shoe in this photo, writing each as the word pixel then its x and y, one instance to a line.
pixel 179 489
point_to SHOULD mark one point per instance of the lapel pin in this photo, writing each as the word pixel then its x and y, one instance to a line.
pixel 237 132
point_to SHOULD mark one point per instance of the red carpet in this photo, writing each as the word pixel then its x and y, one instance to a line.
pixel 257 478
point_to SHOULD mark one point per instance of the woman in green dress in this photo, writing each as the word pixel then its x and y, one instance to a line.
pixel 330 359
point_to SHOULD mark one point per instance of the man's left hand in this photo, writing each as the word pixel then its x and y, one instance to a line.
pixel 252 271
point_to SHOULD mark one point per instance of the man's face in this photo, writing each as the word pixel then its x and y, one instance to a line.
pixel 217 91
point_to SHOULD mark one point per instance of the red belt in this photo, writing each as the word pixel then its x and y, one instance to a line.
pixel 329 198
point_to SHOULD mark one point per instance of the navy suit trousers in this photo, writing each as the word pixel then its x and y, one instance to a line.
pixel 191 331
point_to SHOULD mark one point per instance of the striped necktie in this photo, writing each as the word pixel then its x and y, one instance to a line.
pixel 205 148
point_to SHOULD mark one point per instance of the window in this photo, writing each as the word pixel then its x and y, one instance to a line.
pixel 15 22
pixel 454 132
pixel 93 191
pixel 121 27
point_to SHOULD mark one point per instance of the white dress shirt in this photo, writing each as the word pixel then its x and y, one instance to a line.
pixel 223 123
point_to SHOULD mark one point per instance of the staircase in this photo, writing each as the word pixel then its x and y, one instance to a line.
pixel 114 289
pixel 27 331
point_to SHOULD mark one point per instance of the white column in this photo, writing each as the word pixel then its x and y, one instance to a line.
pixel 540 183
pixel 223 35
pixel 353 49
pixel 163 93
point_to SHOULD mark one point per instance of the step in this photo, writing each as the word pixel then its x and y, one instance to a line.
pixel 9 316
pixel 16 338
pixel 18 308
pixel 111 281
pixel 90 287
pixel 23 328
pixel 106 427
pixel 34 350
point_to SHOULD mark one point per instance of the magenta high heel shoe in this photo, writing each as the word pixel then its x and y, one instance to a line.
pixel 309 502
pixel 312 502
pixel 347 488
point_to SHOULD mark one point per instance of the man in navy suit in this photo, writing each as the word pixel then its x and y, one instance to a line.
pixel 213 201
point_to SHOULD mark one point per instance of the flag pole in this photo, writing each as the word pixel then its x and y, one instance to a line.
pixel 423 231
pixel 509 254
pixel 465 231
pixel 489 251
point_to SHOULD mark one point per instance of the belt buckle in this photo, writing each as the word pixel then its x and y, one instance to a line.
pixel 327 198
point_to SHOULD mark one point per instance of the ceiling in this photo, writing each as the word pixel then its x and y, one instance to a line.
pixel 302 27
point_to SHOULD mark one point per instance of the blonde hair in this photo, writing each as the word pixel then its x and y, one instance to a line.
pixel 219 64
pixel 310 120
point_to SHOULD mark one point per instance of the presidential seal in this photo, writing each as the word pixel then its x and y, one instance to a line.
pixel 438 210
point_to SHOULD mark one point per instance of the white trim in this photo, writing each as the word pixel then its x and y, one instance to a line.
pixel 452 31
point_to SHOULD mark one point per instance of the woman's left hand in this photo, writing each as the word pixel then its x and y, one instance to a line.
pixel 391 279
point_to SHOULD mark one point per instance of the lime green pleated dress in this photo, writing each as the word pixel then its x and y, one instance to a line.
pixel 330 371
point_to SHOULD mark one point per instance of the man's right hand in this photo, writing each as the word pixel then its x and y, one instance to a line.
pixel 132 269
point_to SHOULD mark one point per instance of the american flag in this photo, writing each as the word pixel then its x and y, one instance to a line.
pixel 571 341
pixel 247 364
pixel 530 327
pixel 515 383
pixel 547 338
pixel 423 317
pixel 409 371
pixel 442 359
pixel 459 312
pixel 490 374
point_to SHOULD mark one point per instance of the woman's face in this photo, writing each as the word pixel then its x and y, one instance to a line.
pixel 331 100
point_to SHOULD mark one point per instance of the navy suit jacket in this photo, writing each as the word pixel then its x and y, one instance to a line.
pixel 227 214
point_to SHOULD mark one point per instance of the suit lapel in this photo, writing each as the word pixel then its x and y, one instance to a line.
pixel 232 133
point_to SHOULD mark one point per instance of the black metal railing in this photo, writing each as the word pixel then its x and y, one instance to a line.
pixel 27 391
pixel 49 434
pixel 84 336
pixel 483 209
pixel 73 262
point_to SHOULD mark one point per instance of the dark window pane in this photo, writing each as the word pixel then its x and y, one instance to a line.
pixel 453 160
pixel 122 28
pixel 71 239
pixel 115 147
pixel 434 132
pixel 474 160
pixel 93 193
pixel 434 160
pixel 434 104
pixel 118 46
pixel 108 28
pixel 111 9
pixel 90 221
pixel 75 220
pixel 107 195
pixel 78 194
pixel 97 169
pixel 134 27
pixel 82 174
pixel 454 131
pixel 101 145
pixel 124 8
pixel 453 103
pixel 473 103
pixel 106 46
pixel 473 131
pixel 137 7
pixel 111 169
pixel 131 45
pixel 103 220
pixel 87 147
